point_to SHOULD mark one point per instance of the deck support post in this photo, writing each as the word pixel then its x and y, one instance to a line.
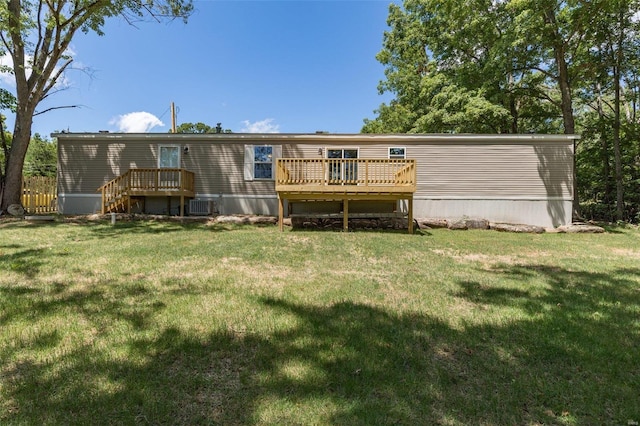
pixel 410 215
pixel 182 206
pixel 128 204
pixel 345 209
pixel 280 213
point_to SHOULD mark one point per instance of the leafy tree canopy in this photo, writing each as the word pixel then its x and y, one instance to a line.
pixel 200 128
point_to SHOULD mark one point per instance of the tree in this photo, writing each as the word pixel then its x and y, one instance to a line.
pixel 457 66
pixel 37 35
pixel 41 158
pixel 200 128
pixel 498 66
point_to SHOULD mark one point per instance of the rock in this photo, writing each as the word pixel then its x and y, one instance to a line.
pixel 15 210
pixel 507 227
pixel 476 223
pixel 458 225
pixel 580 228
pixel 432 223
pixel 263 220
pixel 236 220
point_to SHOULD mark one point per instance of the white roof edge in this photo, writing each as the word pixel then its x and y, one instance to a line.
pixel 320 136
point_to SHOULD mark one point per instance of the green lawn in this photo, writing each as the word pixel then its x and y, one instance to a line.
pixel 164 323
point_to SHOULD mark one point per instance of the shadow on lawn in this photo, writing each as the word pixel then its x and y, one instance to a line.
pixel 574 362
pixel 26 262
pixel 104 229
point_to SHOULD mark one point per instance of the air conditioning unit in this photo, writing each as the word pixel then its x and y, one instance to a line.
pixel 201 207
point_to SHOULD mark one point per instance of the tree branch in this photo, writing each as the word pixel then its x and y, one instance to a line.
pixel 54 108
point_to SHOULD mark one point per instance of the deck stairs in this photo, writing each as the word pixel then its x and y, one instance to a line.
pixel 130 188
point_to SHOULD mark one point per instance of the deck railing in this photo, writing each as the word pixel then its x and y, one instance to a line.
pixel 338 171
pixel 146 182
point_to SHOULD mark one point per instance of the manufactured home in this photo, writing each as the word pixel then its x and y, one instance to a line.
pixel 520 179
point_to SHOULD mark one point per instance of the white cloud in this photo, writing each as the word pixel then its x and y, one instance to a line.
pixel 136 122
pixel 6 78
pixel 265 126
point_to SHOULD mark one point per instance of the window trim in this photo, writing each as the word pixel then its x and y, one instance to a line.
pixel 249 161
pixel 168 145
pixel 263 162
pixel 396 156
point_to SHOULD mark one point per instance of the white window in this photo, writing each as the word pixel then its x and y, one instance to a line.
pixel 397 152
pixel 168 156
pixel 260 160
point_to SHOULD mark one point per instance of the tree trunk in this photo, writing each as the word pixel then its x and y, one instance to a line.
pixel 604 143
pixel 617 153
pixel 513 108
pixel 566 101
pixel 12 191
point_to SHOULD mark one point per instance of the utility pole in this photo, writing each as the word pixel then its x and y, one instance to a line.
pixel 173 118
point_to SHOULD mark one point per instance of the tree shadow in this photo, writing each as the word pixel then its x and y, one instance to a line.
pixel 555 168
pixel 573 362
pixel 27 262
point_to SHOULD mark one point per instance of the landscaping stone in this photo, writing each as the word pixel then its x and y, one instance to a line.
pixel 305 222
pixel 460 225
pixel 15 210
pixel 575 228
pixel 432 223
pixel 476 223
pixel 263 220
pixel 507 227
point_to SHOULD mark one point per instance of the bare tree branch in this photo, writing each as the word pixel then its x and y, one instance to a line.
pixel 54 108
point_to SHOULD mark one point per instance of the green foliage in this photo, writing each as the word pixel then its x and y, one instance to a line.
pixel 41 159
pixel 200 128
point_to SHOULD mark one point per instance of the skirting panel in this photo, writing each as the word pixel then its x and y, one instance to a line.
pixel 547 213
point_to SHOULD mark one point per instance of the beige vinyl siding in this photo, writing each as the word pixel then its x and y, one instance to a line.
pixel 219 169
pixel 87 166
pixel 493 170
pixel 446 167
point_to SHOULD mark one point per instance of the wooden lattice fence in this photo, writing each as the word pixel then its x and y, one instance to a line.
pixel 39 194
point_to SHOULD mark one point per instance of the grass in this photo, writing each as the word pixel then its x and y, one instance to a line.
pixel 165 323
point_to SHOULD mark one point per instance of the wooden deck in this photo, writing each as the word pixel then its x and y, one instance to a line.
pixel 332 179
pixel 118 193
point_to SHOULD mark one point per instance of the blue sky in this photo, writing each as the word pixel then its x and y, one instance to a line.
pixel 270 66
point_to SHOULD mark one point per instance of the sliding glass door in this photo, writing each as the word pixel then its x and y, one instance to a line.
pixel 343 172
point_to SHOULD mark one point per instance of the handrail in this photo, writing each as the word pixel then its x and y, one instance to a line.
pixel 147 180
pixel 345 171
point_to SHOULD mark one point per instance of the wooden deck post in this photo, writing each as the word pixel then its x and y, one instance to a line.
pixel 410 215
pixel 181 205
pixel 280 213
pixel 104 208
pixel 345 209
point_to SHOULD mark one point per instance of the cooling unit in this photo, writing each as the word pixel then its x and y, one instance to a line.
pixel 201 207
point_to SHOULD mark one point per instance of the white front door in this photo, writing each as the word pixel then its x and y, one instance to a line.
pixel 169 158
